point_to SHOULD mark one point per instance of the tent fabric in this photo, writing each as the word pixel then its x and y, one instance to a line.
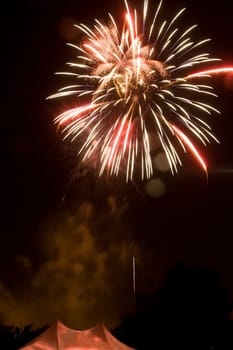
pixel 60 337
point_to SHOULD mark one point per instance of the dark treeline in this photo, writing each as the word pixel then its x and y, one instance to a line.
pixel 191 311
pixel 13 338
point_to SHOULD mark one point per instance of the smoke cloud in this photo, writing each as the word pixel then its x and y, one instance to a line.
pixel 85 270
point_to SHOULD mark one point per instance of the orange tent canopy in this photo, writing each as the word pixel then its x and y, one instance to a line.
pixel 60 337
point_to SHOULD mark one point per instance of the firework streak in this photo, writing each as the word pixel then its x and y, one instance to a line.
pixel 134 82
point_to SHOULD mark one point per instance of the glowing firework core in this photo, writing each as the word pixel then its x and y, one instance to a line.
pixel 132 82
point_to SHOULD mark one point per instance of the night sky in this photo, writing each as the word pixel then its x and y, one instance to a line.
pixel 68 237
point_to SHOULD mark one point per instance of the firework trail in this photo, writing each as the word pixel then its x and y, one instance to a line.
pixel 135 81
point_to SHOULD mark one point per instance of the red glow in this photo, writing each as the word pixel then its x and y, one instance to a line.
pixel 228 81
pixel 74 113
pixel 211 72
pixel 130 22
pixel 121 137
pixel 191 147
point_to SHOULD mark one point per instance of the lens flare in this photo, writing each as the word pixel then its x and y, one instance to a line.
pixel 135 79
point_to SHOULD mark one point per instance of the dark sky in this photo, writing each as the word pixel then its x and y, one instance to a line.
pixel 68 238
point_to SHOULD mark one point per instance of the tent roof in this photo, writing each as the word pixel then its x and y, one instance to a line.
pixel 60 337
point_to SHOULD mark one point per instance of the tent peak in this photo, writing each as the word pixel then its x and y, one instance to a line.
pixel 60 337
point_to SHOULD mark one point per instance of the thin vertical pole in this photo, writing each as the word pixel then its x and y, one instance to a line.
pixel 134 277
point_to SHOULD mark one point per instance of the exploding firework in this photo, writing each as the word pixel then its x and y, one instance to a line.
pixel 133 82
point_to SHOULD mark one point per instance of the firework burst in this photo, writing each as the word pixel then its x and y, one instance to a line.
pixel 133 81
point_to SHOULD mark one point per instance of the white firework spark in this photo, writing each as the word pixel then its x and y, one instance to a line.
pixel 133 81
